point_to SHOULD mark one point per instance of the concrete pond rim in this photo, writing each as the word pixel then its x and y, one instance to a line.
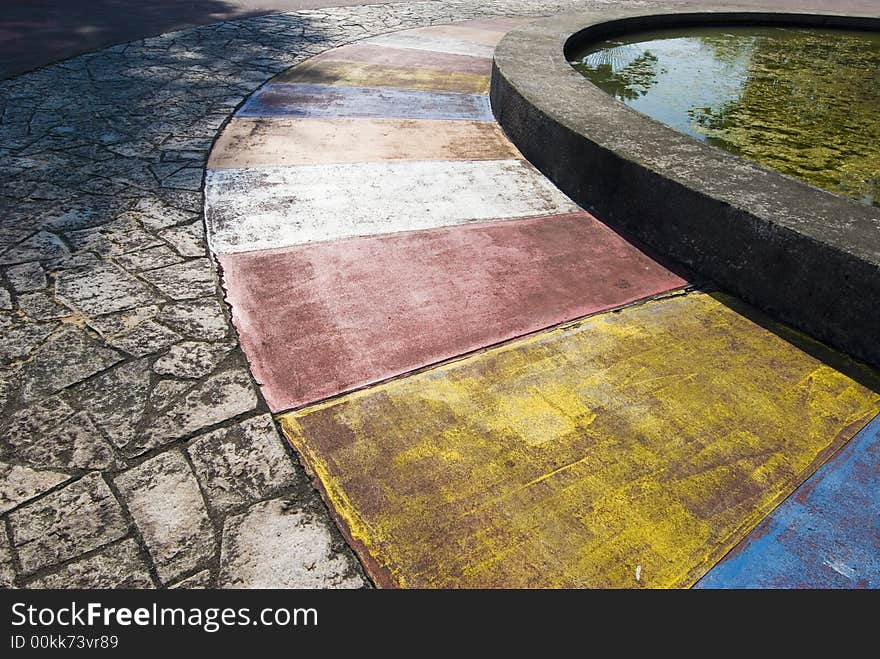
pixel 806 256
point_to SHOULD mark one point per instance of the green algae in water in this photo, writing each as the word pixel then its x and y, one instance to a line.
pixel 803 101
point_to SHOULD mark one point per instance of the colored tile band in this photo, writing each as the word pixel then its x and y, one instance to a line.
pixel 291 142
pixel 277 207
pixel 414 59
pixel 372 220
pixel 349 313
pixel 825 535
pixel 328 101
pixel 640 443
pixel 323 72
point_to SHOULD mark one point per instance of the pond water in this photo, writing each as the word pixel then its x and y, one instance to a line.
pixel 803 101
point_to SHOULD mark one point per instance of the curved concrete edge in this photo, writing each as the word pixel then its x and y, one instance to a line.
pixel 805 256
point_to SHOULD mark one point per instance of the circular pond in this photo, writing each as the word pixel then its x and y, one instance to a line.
pixel 804 101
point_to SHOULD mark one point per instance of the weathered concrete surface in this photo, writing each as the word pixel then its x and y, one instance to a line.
pixel 349 313
pixel 804 255
pixel 825 535
pixel 360 53
pixel 250 209
pixel 322 72
pixel 288 142
pixel 644 442
pixel 431 40
pixel 327 101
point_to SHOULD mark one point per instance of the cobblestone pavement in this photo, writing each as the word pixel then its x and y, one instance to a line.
pixel 135 449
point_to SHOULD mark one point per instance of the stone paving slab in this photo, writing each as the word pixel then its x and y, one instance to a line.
pixel 116 566
pixel 353 312
pixel 266 208
pixel 633 449
pixel 278 544
pixel 250 143
pixel 164 499
pixel 66 523
pixel 311 100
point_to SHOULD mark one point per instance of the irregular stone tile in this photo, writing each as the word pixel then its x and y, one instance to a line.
pixel 241 464
pixel 77 518
pixel 42 306
pixel 166 392
pixel 102 288
pixel 199 580
pixel 118 237
pixel 191 359
pixel 117 399
pixel 81 260
pixel 216 399
pixel 8 384
pixel 155 214
pixel 89 448
pixel 27 277
pixel 188 239
pixel 20 338
pixel 123 321
pixel 198 319
pixel 36 419
pixel 144 339
pixel 42 246
pixel 117 566
pixel 7 566
pixel 184 281
pixel 166 168
pixel 163 496
pixel 75 219
pixel 5 299
pixel 189 178
pixel 148 259
pixel 49 435
pixel 19 484
pixel 277 544
pixel 68 357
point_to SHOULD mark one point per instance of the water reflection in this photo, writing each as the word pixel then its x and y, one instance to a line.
pixel 806 102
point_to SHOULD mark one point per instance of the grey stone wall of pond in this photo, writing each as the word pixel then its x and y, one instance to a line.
pixel 807 257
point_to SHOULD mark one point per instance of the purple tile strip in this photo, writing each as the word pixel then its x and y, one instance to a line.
pixel 326 101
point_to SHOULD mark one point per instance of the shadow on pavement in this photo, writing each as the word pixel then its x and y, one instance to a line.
pixel 35 33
